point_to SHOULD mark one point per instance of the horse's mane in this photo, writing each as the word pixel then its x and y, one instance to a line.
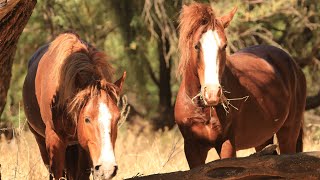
pixel 84 71
pixel 191 18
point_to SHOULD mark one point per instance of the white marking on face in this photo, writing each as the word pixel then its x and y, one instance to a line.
pixel 107 153
pixel 210 43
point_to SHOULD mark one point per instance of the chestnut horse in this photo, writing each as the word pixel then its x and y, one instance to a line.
pixel 71 108
pixel 238 101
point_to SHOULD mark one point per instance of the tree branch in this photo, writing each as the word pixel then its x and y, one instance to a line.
pixel 151 73
pixel 134 111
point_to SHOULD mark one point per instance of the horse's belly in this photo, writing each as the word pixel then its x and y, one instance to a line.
pixel 35 120
pixel 255 131
pixel 31 107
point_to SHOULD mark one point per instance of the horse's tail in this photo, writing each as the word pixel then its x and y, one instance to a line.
pixel 299 146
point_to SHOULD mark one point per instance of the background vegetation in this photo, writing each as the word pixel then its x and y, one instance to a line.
pixel 140 37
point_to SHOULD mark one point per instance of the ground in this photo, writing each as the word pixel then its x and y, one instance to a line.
pixel 139 151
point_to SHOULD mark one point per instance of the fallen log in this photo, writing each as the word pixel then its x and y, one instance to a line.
pixel 257 166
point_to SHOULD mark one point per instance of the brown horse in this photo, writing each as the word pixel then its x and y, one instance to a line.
pixel 71 108
pixel 238 101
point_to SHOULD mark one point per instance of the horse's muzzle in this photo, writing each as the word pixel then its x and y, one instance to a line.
pixel 103 172
pixel 211 94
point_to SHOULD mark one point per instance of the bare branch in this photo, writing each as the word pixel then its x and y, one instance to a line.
pixel 160 26
pixel 151 73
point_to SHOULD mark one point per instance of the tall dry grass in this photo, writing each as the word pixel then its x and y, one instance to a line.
pixel 20 159
pixel 139 151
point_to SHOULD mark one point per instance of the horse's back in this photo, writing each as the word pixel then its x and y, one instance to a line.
pixel 276 89
pixel 283 65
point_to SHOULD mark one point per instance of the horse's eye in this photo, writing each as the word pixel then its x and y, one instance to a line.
pixel 197 47
pixel 87 119
pixel 224 46
pixel 204 21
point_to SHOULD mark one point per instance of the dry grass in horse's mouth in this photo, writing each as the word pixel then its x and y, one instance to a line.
pixel 137 154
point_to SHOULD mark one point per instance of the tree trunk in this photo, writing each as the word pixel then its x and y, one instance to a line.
pixel 14 15
pixel 295 166
pixel 165 118
pixel 126 12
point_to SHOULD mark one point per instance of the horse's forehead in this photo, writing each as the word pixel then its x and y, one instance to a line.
pixel 109 100
pixel 214 25
pixel 96 100
pixel 218 29
pixel 217 26
pixel 104 111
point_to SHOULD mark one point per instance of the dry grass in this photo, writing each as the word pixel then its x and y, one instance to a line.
pixel 20 159
pixel 139 151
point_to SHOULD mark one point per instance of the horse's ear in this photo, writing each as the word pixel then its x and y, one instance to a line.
pixel 226 19
pixel 119 82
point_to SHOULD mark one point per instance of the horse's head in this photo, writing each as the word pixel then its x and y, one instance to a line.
pixel 203 45
pixel 97 127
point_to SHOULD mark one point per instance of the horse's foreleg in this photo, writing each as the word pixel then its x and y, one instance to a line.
pixel 84 165
pixel 299 146
pixel 72 157
pixel 56 149
pixel 226 149
pixel 78 163
pixel 196 153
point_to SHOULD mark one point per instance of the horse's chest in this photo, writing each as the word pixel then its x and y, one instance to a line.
pixel 208 128
pixel 207 131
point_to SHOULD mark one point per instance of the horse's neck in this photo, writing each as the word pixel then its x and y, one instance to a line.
pixel 229 81
pixel 234 92
pixel 226 77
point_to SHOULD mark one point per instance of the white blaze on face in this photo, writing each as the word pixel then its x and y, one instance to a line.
pixel 107 153
pixel 210 43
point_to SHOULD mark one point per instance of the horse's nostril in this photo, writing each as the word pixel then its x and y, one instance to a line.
pixel 115 171
pixel 97 167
